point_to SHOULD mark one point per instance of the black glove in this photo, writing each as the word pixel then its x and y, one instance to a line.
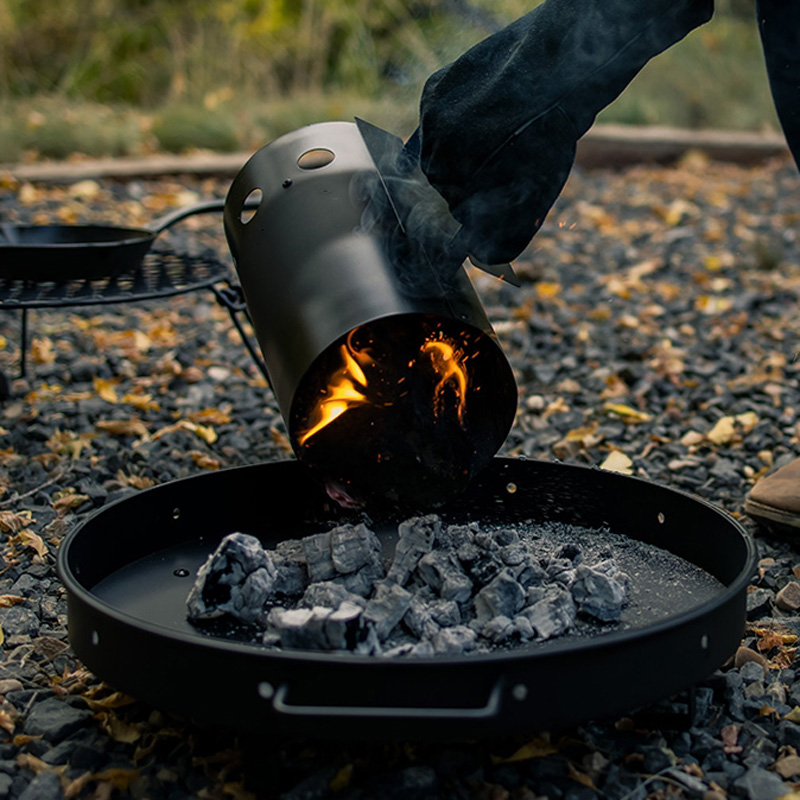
pixel 498 127
pixel 779 26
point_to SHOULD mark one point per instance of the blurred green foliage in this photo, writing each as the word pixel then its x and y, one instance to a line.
pixel 233 73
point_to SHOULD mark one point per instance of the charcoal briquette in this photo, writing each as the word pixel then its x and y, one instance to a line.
pixel 419 619
pixel 444 575
pixel 329 594
pixel 300 628
pixel 454 641
pixel 317 550
pixel 512 555
pixel 341 626
pixel 502 597
pixel 552 615
pixel 445 612
pixel 597 594
pixel 353 547
pixel 222 586
pixel 416 538
pixel 387 608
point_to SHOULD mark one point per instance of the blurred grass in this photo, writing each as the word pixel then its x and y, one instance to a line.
pixel 235 74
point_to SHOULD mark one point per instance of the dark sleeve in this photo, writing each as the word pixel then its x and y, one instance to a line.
pixel 498 126
pixel 779 26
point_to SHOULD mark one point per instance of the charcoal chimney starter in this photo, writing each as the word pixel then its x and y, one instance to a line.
pixel 384 365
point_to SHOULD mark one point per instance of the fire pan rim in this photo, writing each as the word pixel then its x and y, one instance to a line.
pixel 88 613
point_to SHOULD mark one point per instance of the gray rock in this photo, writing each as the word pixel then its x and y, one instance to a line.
pixel 502 597
pixel 760 784
pixel 19 621
pixel 45 786
pixel 387 608
pixel 6 782
pixel 354 547
pixel 54 720
pixel 416 538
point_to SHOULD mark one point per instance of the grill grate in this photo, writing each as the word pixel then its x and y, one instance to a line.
pixel 162 273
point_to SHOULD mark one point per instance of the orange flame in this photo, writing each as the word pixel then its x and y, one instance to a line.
pixel 448 363
pixel 345 390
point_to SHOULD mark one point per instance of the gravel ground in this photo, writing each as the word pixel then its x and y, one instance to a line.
pixel 658 327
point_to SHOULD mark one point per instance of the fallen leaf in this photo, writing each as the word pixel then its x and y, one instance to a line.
pixel 6 721
pixel 626 413
pixel 120 777
pixel 113 700
pixel 341 780
pixel 280 439
pixel 617 461
pixel 122 427
pixel 794 715
pixel 119 730
pixel 536 748
pixel 141 402
pixel 42 350
pixel 15 521
pixel 105 389
pixel 580 777
pixel 205 461
pixel 68 499
pixel 68 443
pixel 28 538
pixel 237 791
pixel 8 600
pixel 210 416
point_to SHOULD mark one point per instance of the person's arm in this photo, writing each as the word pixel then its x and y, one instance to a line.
pixel 498 126
pixel 779 26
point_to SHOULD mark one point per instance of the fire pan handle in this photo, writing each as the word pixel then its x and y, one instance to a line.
pixel 491 709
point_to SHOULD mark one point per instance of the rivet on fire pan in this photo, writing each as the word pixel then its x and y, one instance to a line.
pixel 383 362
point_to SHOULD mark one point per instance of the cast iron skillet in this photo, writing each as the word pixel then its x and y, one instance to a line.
pixel 75 252
pixel 128 569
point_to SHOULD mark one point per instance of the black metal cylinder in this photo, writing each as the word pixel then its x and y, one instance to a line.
pixel 313 271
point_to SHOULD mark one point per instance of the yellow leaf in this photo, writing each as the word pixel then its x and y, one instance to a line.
pixel 536 748
pixel 794 715
pixel 105 389
pixel 117 729
pixel 2 636
pixel 723 431
pixel 42 350
pixel 210 416
pixel 626 413
pixel 68 499
pixel 122 427
pixel 205 461
pixel 341 780
pixel 141 402
pixel 114 700
pixel 15 521
pixel 205 432
pixel 6 721
pixel 579 434
pixel 547 291
pixel 120 777
pixel 617 461
pixel 748 420
pixel 28 538
pixel 580 777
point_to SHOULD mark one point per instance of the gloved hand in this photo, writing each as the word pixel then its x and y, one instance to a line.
pixel 499 126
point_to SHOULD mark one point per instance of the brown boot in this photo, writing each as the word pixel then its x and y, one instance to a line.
pixel 776 498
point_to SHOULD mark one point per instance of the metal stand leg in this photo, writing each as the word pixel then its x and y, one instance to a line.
pixel 232 298
pixel 23 344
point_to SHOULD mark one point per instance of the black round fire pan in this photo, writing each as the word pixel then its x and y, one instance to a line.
pixel 128 568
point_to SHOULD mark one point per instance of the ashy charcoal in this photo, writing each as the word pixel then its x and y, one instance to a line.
pixel 561 571
pixel 387 608
pixel 416 538
pixel 553 615
pixel 362 582
pixel 502 597
pixel 317 549
pixel 330 594
pixel 598 592
pixel 342 626
pixel 445 612
pixel 454 536
pixel 454 641
pixel 444 575
pixel 237 579
pixel 354 547
pixel 512 555
pixel 302 628
pixel 419 619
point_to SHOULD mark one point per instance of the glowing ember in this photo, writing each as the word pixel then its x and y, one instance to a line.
pixel 448 364
pixel 345 390
pixel 439 361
